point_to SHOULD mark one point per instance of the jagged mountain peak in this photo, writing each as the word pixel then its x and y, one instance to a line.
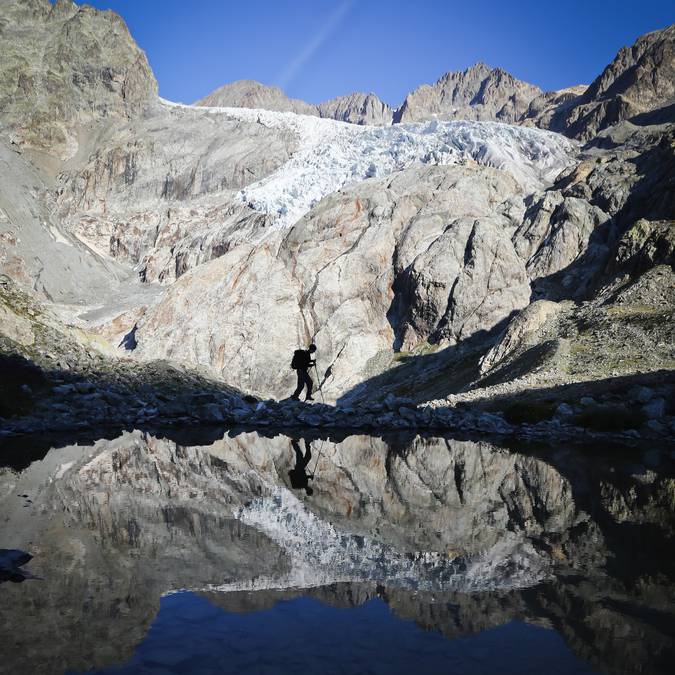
pixel 357 107
pixel 640 79
pixel 478 92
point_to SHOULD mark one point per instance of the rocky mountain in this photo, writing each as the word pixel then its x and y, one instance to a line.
pixel 355 108
pixel 639 80
pixel 543 107
pixel 414 254
pixel 638 83
pixel 477 93
pixel 63 67
pixel 251 94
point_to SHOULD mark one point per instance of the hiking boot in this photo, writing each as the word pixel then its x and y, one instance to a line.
pixel 309 398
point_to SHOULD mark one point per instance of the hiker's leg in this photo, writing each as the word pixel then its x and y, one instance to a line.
pixel 301 384
pixel 310 384
pixel 299 459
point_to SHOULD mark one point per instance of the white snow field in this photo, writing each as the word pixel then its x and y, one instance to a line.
pixel 332 154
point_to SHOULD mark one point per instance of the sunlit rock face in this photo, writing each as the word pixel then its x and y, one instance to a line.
pixel 64 66
pixel 637 84
pixel 479 92
pixel 423 255
pixel 160 194
pixel 496 533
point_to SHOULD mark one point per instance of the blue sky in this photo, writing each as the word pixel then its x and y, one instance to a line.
pixel 317 49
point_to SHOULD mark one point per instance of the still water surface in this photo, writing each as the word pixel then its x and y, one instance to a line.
pixel 237 553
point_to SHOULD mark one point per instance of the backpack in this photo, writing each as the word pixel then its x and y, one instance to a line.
pixel 299 359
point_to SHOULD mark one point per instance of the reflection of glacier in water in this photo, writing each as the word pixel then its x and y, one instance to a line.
pixel 457 536
pixel 320 555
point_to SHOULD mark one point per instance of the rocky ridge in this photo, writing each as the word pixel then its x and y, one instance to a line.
pixel 356 108
pixel 479 92
pixel 65 66
pixel 636 84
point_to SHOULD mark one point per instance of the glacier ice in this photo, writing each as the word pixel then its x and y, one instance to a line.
pixel 333 154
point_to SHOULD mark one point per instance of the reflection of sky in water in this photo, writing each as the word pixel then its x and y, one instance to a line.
pixel 192 636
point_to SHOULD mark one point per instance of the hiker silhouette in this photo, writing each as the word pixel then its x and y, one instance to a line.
pixel 298 475
pixel 302 362
pixel 129 340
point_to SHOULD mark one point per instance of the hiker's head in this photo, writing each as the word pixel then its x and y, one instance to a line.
pixel 312 347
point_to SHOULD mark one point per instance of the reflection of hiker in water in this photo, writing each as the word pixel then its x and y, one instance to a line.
pixel 302 362
pixel 298 475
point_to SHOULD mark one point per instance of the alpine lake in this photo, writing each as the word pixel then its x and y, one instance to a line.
pixel 197 551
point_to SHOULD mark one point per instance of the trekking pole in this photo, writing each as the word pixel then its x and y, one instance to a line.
pixel 318 381
pixel 316 463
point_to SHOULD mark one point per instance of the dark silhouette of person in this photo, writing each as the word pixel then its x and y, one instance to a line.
pixel 298 475
pixel 129 341
pixel 302 362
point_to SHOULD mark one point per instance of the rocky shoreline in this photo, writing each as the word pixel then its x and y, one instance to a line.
pixel 638 413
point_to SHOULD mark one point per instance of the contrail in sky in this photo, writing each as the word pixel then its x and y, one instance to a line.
pixel 331 23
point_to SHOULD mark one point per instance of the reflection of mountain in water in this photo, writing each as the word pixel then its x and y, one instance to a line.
pixel 456 535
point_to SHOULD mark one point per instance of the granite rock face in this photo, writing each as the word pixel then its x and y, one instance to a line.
pixel 542 108
pixel 477 93
pixel 357 108
pixel 252 94
pixel 266 229
pixel 361 273
pixel 38 251
pixel 140 198
pixel 638 83
pixel 64 66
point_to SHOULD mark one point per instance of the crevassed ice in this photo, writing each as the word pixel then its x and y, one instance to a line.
pixel 333 154
pixel 320 554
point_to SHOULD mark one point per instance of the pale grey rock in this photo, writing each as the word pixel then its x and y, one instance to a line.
pixel 468 279
pixel 555 232
pixel 522 330
pixel 357 108
pixel 342 275
pixel 252 94
pixel 477 93
pixel 40 254
pixel 542 108
pixel 142 199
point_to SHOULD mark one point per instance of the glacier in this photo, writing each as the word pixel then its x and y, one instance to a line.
pixel 333 154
